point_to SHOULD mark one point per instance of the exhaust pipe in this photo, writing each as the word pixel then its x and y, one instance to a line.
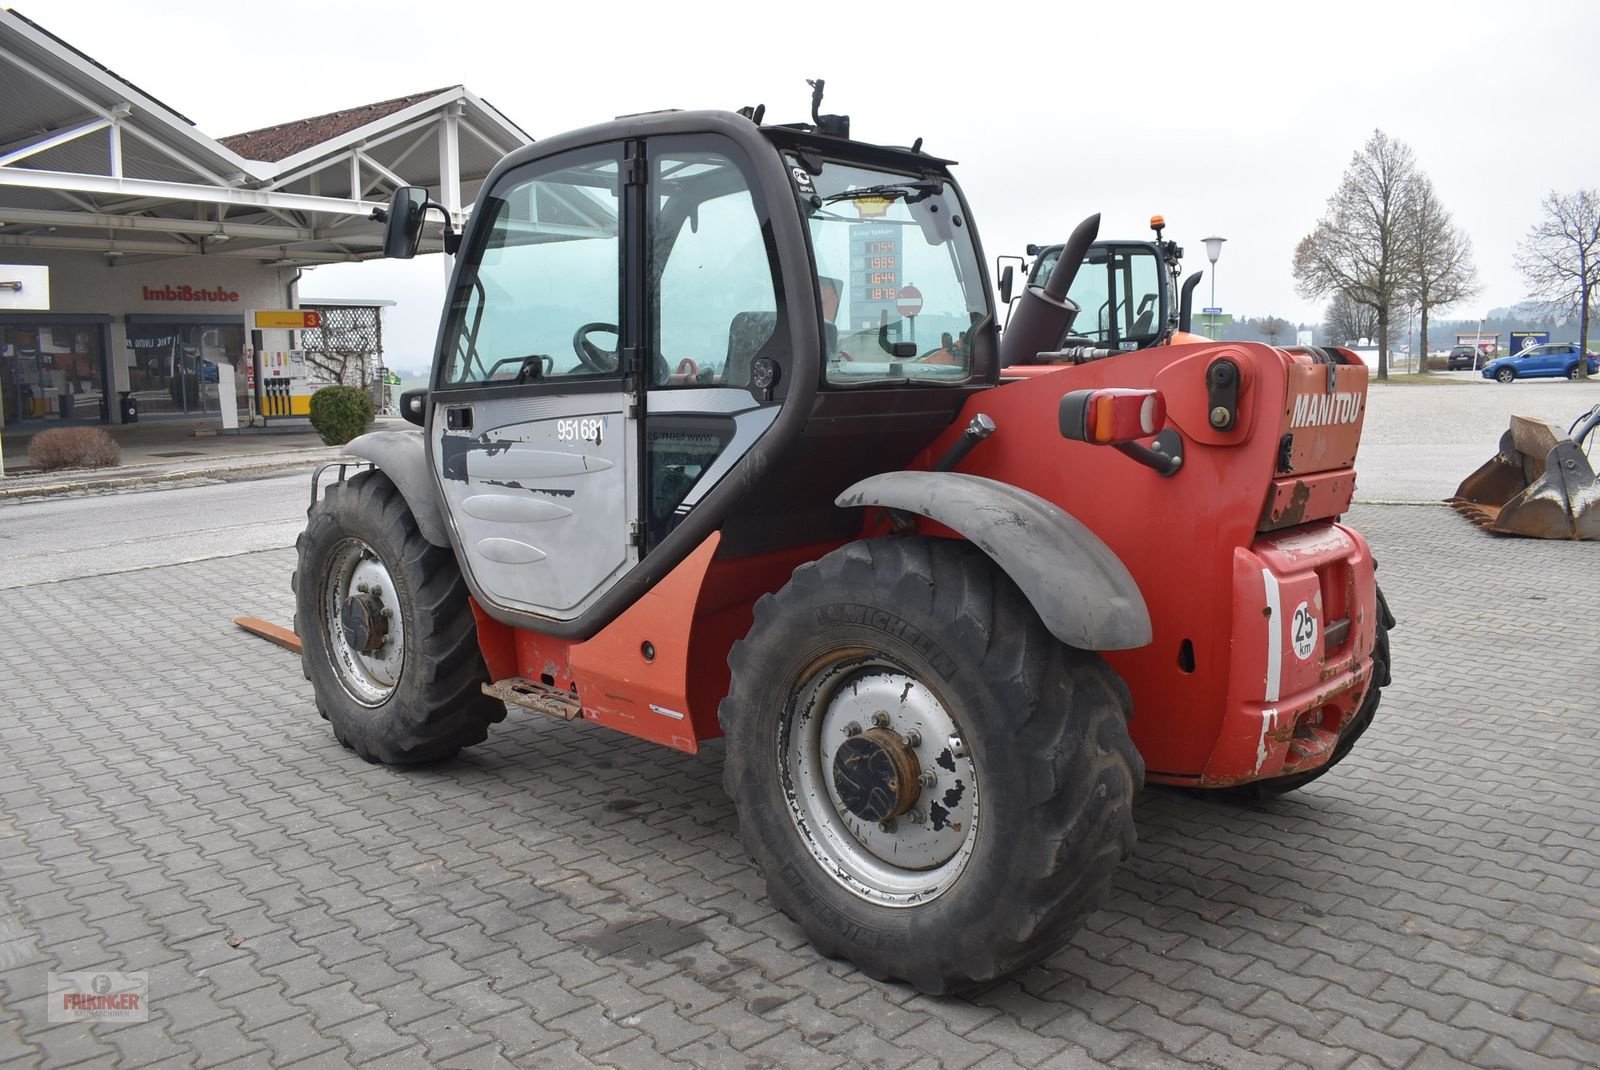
pixel 1044 315
pixel 1186 302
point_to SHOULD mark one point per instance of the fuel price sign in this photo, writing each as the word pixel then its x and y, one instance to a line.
pixel 875 269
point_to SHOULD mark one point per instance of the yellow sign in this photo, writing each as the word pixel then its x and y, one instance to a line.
pixel 294 319
pixel 872 207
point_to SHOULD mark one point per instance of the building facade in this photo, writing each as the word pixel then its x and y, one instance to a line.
pixel 134 247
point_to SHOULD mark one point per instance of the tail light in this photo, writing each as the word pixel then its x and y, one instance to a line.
pixel 1110 417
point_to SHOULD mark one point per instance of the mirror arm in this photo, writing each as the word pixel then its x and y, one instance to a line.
pixel 452 237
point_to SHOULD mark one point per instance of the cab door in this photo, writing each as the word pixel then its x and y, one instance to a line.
pixel 533 433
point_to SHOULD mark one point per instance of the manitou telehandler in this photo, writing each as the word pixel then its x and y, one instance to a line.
pixel 698 459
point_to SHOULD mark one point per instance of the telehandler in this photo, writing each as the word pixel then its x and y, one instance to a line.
pixel 692 464
pixel 1128 292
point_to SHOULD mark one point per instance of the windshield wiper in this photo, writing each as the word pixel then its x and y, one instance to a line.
pixel 911 191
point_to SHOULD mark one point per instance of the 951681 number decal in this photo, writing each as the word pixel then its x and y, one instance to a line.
pixel 590 429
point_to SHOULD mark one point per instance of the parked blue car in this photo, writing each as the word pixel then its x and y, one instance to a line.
pixel 1550 359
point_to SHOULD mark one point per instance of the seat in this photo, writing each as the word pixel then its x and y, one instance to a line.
pixel 748 335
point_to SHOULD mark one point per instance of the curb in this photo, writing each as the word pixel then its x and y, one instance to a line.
pixel 46 490
pixel 1399 501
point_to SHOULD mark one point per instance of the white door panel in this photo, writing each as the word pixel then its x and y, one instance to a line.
pixel 543 508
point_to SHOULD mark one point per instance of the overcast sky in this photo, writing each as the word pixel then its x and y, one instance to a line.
pixel 1234 119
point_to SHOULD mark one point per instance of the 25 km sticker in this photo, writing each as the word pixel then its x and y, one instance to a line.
pixel 588 429
pixel 1303 629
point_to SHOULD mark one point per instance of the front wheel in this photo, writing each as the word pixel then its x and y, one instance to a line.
pixel 934 787
pixel 387 636
pixel 1506 375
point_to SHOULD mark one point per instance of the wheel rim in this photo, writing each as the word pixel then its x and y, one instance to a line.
pixel 856 727
pixel 1506 376
pixel 362 626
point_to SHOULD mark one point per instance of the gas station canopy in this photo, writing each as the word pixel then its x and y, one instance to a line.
pixel 90 163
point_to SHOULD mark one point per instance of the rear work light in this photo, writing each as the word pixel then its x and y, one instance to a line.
pixel 1119 418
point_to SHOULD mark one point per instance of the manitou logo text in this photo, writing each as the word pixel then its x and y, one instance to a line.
pixel 188 293
pixel 1322 410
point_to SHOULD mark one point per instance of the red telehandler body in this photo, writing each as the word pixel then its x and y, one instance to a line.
pixel 684 470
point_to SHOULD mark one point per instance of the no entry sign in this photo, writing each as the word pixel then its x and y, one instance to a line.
pixel 909 301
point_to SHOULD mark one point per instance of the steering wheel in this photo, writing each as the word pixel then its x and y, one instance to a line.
pixel 592 356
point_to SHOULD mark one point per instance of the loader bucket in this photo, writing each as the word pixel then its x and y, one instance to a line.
pixel 1539 485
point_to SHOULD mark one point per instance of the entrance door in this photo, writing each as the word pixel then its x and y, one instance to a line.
pixel 533 439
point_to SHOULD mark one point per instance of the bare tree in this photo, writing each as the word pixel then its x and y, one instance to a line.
pixel 1345 321
pixel 1361 247
pixel 1441 268
pixel 1273 328
pixel 1560 258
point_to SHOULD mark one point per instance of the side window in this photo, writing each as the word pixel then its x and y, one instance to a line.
pixel 1091 290
pixel 1119 291
pixel 716 302
pixel 541 296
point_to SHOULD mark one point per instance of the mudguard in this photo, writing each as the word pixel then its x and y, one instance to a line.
pixel 403 457
pixel 1081 590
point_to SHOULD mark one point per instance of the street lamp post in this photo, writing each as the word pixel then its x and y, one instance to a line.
pixel 1214 250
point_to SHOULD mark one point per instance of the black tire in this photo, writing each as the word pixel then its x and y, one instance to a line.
pixel 1506 376
pixel 1269 789
pixel 435 705
pixel 1573 375
pixel 1045 736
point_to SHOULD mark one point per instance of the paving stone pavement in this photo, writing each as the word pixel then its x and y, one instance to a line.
pixel 565 897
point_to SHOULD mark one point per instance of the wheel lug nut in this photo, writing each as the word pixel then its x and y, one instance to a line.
pixel 853 728
pixel 927 779
pixel 387 612
pixel 913 738
pixel 880 719
pixel 917 817
pixel 886 826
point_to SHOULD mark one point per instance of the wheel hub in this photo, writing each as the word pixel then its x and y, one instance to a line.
pixel 891 812
pixel 363 623
pixel 876 775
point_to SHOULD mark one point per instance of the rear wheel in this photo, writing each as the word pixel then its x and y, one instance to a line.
pixel 1506 375
pixel 1573 374
pixel 387 637
pixel 934 787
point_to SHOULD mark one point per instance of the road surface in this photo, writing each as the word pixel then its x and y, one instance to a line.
pixel 52 539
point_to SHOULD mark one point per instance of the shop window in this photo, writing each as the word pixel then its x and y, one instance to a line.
pixel 172 368
pixel 52 372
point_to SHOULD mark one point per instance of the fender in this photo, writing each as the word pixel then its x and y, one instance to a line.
pixel 403 457
pixel 1081 590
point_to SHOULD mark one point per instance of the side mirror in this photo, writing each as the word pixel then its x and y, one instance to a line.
pixel 1008 277
pixel 402 231
pixel 414 406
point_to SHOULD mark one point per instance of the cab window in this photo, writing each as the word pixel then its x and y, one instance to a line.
pixel 902 296
pixel 1119 292
pixel 540 296
pixel 716 295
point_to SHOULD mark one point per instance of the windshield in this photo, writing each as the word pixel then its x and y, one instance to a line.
pixel 902 292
